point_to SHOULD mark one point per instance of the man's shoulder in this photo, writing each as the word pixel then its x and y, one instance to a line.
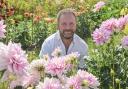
pixel 80 41
pixel 51 37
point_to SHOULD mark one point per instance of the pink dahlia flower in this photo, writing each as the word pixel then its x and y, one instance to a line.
pixel 98 6
pixel 2 29
pixel 50 84
pixel 12 59
pixel 55 66
pixel 124 41
pixel 101 36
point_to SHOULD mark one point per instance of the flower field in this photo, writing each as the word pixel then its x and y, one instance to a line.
pixel 25 24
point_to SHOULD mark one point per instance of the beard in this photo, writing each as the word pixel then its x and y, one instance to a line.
pixel 67 34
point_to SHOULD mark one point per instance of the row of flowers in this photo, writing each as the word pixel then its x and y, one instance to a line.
pixel 107 28
pixel 10 11
pixel 43 73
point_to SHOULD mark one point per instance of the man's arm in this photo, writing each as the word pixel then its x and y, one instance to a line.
pixel 83 56
pixel 45 49
pixel 82 64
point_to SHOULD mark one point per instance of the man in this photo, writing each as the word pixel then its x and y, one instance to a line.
pixel 65 38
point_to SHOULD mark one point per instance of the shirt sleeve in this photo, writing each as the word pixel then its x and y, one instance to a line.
pixel 45 49
pixel 82 59
pixel 82 64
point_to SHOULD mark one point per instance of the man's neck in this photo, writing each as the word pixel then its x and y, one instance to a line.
pixel 67 43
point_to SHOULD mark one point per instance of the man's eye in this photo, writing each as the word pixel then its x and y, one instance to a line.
pixel 71 24
pixel 63 24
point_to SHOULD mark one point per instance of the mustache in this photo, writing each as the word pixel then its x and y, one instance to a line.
pixel 68 30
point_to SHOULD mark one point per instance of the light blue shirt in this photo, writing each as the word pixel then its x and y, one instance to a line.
pixel 54 41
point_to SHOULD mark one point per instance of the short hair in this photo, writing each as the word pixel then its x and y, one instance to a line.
pixel 65 11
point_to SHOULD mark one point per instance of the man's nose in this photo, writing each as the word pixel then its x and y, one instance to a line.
pixel 68 26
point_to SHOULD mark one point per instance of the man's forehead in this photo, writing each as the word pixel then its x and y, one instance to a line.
pixel 66 15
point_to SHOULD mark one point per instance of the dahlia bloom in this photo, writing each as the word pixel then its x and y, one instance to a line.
pixel 12 59
pixel 98 6
pixel 56 52
pixel 55 66
pixel 121 22
pixel 37 65
pixel 17 59
pixel 24 81
pixel 124 41
pixel 109 24
pixel 74 82
pixel 90 79
pixel 73 56
pixel 50 84
pixel 15 84
pixel 3 56
pixel 30 80
pixel 2 29
pixel 101 36
pixel 71 60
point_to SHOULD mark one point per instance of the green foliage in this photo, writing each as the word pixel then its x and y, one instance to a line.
pixel 109 62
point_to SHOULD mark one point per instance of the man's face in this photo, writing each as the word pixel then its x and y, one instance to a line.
pixel 67 25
